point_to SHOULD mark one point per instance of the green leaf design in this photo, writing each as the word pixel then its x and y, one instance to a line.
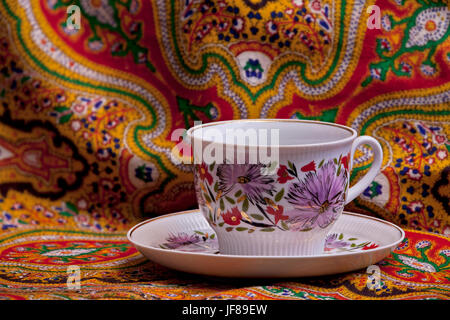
pixel 245 205
pixel 292 169
pixel 199 232
pixel 352 239
pixel 284 225
pixel 66 214
pixel 237 194
pixel 230 200
pixel 221 224
pixel 207 198
pixel 327 115
pixel 257 216
pixel 72 207
pixel 367 81
pixel 60 109
pixel 222 205
pixel 216 186
pixel 25 79
pixel 211 166
pixel 229 229
pixel 279 195
pixel 251 230
pixel 241 229
pixel 291 166
pixel 321 163
pixel 65 118
pixel 212 236
pixel 338 171
pixel 341 236
pixel 267 230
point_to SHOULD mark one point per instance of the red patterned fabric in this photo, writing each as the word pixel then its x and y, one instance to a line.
pixel 112 269
pixel 90 117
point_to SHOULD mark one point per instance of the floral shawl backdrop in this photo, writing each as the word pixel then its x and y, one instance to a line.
pixel 87 116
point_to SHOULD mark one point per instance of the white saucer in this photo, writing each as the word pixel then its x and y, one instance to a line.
pixel 184 241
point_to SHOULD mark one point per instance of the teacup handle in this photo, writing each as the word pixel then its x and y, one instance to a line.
pixel 365 181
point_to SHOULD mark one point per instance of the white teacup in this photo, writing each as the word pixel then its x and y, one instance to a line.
pixel 282 202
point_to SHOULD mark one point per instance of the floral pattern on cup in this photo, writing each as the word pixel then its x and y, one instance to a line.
pixel 206 242
pixel 244 198
pixel 318 199
pixel 247 178
pixel 339 242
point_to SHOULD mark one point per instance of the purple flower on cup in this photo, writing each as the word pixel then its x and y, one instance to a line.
pixel 318 199
pixel 246 177
pixel 181 239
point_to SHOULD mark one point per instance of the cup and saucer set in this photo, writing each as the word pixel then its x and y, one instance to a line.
pixel 271 197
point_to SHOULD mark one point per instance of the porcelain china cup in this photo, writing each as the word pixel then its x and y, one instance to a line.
pixel 275 187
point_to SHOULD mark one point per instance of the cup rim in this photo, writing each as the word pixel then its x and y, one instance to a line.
pixel 354 134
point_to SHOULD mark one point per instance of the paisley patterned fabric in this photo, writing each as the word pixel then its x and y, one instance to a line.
pixel 90 117
pixel 34 264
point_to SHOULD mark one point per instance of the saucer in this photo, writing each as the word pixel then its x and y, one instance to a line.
pixel 184 241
